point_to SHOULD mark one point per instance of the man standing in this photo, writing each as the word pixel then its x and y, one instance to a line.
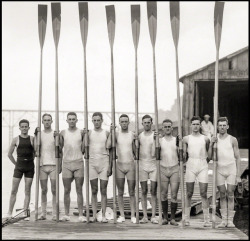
pixel 197 147
pixel 99 164
pixel 73 166
pixel 228 171
pixel 125 165
pixel 24 165
pixel 147 168
pixel 169 171
pixel 48 166
pixel 207 127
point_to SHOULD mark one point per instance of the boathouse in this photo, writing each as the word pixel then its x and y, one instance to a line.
pixel 198 94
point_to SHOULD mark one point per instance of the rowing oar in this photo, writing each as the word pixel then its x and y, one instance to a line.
pixel 152 24
pixel 56 26
pixel 175 25
pixel 218 16
pixel 83 17
pixel 110 14
pixel 135 21
pixel 42 23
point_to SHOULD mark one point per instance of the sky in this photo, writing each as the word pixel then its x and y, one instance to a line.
pixel 21 54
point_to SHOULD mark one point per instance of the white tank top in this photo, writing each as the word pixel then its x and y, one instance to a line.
pixel 169 156
pixel 97 144
pixel 124 147
pixel 197 147
pixel 48 156
pixel 146 145
pixel 72 150
pixel 225 151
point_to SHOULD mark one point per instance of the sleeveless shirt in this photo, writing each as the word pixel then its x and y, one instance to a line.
pixel 169 156
pixel 47 148
pixel 124 147
pixel 197 147
pixel 72 150
pixel 225 151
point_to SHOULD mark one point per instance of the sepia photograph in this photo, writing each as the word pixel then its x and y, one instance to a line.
pixel 125 120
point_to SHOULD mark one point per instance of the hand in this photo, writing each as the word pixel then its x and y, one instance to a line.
pixel 112 127
pixel 56 134
pixel 36 131
pixel 214 140
pixel 109 172
pixel 84 131
pixel 155 134
pixel 178 139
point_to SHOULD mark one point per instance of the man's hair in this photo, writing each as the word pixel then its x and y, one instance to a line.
pixel 97 114
pixel 222 119
pixel 46 114
pixel 147 116
pixel 195 118
pixel 167 121
pixel 71 113
pixel 123 115
pixel 24 121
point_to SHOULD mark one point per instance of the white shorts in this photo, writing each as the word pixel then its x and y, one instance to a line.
pixel 147 172
pixel 226 174
pixel 197 168
pixel 98 168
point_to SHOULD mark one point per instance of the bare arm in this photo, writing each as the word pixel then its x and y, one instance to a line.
pixel 185 145
pixel 236 155
pixel 109 141
pixel 11 150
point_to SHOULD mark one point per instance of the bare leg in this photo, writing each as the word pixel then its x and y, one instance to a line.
pixel 164 201
pixel 79 184
pixel 94 188
pixel 103 187
pixel 230 196
pixel 120 185
pixel 67 189
pixel 190 191
pixel 203 193
pixel 28 183
pixel 53 190
pixel 15 185
pixel 144 190
pixel 153 192
pixel 131 189
pixel 44 188
pixel 223 199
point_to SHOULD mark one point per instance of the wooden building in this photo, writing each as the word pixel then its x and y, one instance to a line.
pixel 198 94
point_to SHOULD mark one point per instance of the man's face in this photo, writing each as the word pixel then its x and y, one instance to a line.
pixel 97 122
pixel 47 121
pixel 72 120
pixel 147 123
pixel 124 122
pixel 206 118
pixel 222 127
pixel 167 128
pixel 195 126
pixel 24 128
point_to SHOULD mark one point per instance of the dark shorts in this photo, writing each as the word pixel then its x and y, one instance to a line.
pixel 28 169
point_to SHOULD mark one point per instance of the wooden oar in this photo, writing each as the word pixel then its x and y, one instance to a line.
pixel 152 24
pixel 83 17
pixel 218 16
pixel 56 26
pixel 42 23
pixel 135 21
pixel 110 14
pixel 175 25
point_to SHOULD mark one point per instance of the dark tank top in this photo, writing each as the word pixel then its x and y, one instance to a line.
pixel 25 152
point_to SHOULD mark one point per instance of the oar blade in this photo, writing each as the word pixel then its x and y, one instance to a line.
pixel 110 14
pixel 56 21
pixel 42 22
pixel 218 16
pixel 174 8
pixel 135 21
pixel 152 20
pixel 83 18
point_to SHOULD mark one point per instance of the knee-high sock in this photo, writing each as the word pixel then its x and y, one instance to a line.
pixel 165 209
pixel 173 210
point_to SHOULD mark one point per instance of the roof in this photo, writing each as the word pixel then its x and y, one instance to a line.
pixel 205 67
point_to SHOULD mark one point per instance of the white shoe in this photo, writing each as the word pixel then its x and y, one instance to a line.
pixel 65 218
pixel 82 219
pixel 120 219
pixel 7 216
pixel 133 220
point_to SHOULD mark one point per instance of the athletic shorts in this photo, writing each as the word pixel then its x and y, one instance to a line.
pixel 47 170
pixel 197 168
pixel 73 169
pixel 226 174
pixel 98 168
pixel 125 169
pixel 170 174
pixel 146 173
pixel 27 170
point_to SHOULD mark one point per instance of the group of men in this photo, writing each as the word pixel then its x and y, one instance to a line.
pixel 197 152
